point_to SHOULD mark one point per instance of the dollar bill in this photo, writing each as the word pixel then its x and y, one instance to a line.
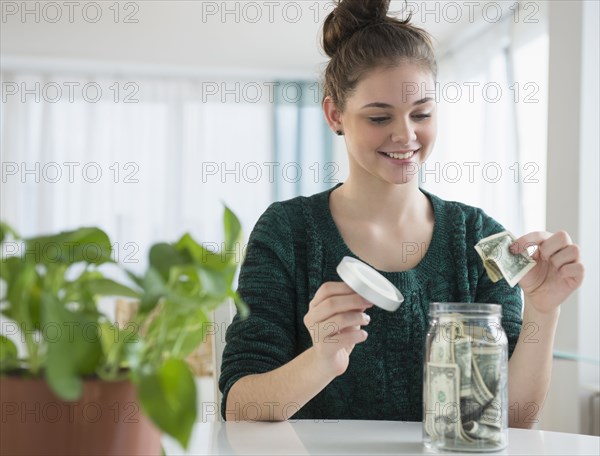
pixel 442 349
pixel 440 352
pixel 480 431
pixel 473 406
pixel 499 262
pixel 492 414
pixel 443 395
pixel 463 355
pixel 451 326
pixel 487 359
pixel 481 393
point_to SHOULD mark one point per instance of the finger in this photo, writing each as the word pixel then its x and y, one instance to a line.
pixel 528 240
pixel 338 304
pixel 350 328
pixel 345 340
pixel 349 320
pixel 339 323
pixel 549 243
pixel 569 254
pixel 574 271
pixel 330 289
pixel 552 245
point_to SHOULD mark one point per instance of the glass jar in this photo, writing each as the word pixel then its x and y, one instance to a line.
pixel 465 378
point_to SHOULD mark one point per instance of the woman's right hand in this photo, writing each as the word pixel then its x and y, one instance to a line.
pixel 333 320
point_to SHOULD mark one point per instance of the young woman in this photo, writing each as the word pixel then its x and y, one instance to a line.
pixel 303 352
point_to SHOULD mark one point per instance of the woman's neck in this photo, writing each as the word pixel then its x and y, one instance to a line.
pixel 381 202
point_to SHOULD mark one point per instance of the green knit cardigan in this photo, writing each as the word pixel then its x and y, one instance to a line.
pixel 295 247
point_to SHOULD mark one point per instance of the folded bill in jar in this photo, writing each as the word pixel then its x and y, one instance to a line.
pixel 498 260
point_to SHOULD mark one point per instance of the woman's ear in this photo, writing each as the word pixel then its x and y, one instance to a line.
pixel 333 115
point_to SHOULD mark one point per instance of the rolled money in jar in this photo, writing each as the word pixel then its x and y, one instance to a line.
pixel 465 380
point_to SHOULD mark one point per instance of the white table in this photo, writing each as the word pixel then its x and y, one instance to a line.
pixel 303 437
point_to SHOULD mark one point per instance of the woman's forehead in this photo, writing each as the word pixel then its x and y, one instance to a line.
pixel 401 84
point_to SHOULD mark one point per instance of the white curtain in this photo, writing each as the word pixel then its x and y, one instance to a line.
pixel 152 158
pixel 491 145
pixel 303 141
pixel 147 159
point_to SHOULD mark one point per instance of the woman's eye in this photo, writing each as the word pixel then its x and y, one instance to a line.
pixel 378 120
pixel 422 116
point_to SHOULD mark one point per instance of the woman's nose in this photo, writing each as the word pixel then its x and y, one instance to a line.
pixel 403 133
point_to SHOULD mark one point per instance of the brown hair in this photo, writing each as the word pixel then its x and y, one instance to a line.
pixel 359 36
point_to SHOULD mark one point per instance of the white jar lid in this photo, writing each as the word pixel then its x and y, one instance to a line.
pixel 369 283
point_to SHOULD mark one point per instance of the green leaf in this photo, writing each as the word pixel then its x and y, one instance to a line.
pixel 213 282
pixel 23 308
pixel 165 256
pixel 133 352
pixel 233 229
pixel 8 355
pixel 168 397
pixel 198 254
pixel 184 281
pixel 90 245
pixel 117 344
pixel 154 289
pixel 241 306
pixel 139 281
pixel 192 333
pixel 109 336
pixel 74 347
pixel 6 231
pixel 176 333
pixel 108 287
pixel 9 267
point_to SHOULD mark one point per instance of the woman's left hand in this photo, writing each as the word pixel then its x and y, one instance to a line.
pixel 558 271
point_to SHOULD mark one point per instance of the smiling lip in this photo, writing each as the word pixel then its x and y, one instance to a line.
pixel 404 155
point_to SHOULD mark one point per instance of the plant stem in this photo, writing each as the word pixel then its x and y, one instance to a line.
pixel 32 353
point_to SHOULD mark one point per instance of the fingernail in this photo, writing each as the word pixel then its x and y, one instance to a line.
pixel 366 317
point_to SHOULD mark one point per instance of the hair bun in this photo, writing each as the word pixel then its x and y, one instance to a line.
pixel 348 17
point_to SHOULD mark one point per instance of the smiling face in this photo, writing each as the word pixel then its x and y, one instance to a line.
pixel 389 123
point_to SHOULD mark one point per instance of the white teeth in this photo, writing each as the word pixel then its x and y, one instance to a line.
pixel 401 156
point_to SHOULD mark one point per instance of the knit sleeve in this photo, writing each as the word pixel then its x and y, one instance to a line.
pixel 499 292
pixel 265 340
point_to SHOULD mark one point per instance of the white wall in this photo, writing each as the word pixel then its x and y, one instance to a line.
pixel 589 317
pixel 572 195
pixel 167 33
pixel 197 35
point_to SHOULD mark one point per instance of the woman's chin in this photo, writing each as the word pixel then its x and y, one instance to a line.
pixel 401 177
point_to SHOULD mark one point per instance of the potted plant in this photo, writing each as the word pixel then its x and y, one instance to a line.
pixel 82 380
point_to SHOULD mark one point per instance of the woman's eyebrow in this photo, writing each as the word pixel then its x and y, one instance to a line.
pixel 379 104
pixel 422 101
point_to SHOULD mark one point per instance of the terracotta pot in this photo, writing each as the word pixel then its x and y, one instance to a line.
pixel 106 420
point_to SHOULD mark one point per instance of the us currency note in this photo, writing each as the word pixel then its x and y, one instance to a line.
pixel 480 431
pixel 473 405
pixel 500 262
pixel 440 352
pixel 492 414
pixel 443 394
pixel 481 393
pixel 487 359
pixel 463 355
